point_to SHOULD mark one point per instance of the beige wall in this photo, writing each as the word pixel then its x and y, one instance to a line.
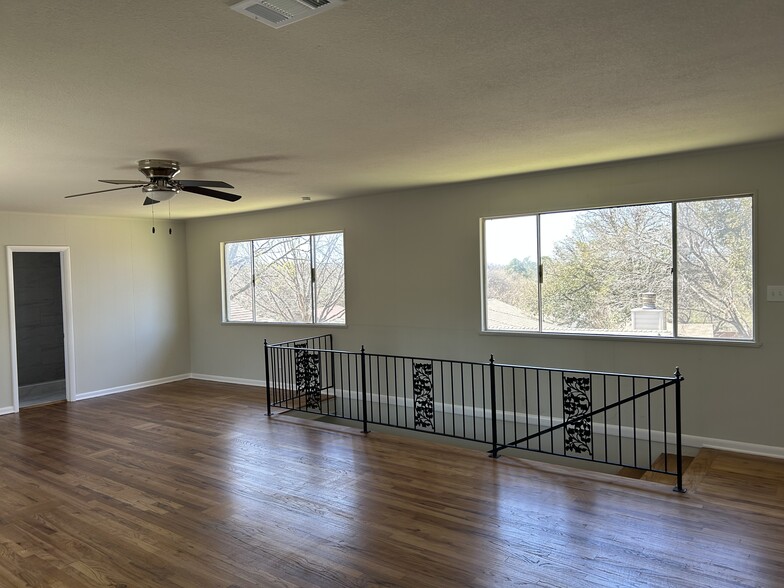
pixel 413 281
pixel 130 298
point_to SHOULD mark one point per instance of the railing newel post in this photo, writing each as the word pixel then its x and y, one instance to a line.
pixel 494 453
pixel 267 377
pixel 678 435
pixel 364 392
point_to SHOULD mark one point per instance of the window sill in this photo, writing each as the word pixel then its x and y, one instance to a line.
pixel 314 325
pixel 627 338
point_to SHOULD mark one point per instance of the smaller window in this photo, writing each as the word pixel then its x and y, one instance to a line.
pixel 294 280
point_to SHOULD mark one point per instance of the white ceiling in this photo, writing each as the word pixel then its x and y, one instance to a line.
pixel 370 96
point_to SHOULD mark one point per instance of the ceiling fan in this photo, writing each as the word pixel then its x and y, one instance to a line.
pixel 161 185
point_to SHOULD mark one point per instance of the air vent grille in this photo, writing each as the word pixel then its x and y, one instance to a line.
pixel 279 13
pixel 266 13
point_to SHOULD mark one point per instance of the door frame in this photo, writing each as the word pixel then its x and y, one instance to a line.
pixel 68 332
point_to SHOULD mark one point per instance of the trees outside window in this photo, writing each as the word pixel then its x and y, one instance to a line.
pixel 298 279
pixel 595 275
pixel 616 271
pixel 238 281
pixel 715 267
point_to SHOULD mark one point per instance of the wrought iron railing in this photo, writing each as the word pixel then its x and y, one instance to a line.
pixel 625 420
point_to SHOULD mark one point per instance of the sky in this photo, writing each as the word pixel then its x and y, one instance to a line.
pixel 515 237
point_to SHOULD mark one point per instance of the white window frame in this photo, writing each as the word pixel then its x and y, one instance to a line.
pixel 675 337
pixel 313 284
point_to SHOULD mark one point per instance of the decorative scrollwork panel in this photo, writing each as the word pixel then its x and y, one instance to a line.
pixel 577 404
pixel 306 371
pixel 424 410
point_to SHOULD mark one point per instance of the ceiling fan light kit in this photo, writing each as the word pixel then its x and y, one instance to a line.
pixel 155 194
pixel 161 185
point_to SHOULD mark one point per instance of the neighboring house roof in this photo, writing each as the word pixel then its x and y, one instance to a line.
pixel 503 316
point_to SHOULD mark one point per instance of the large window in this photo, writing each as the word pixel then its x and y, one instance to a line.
pixel 297 279
pixel 676 269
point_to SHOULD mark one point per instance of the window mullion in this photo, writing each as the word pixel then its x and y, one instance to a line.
pixel 313 278
pixel 674 217
pixel 539 269
pixel 253 280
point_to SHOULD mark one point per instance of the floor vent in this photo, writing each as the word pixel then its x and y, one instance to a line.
pixel 279 13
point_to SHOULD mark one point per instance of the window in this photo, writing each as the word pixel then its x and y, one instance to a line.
pixel 299 280
pixel 676 269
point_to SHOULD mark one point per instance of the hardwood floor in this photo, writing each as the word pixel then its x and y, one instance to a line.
pixel 189 484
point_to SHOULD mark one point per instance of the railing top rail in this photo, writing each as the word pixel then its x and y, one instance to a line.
pixel 588 372
pixel 285 343
pixel 383 355
pixel 289 345
pixel 413 357
pixel 319 349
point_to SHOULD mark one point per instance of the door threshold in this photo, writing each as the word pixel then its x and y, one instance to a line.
pixel 40 404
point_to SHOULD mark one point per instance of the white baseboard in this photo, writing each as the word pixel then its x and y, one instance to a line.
pixel 128 387
pixel 689 441
pixel 736 446
pixel 228 380
pixel 693 441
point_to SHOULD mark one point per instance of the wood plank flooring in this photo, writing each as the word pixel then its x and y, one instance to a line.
pixel 668 463
pixel 188 484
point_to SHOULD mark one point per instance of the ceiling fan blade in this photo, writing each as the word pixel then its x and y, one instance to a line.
pixel 122 182
pixel 148 201
pixel 208 183
pixel 109 190
pixel 212 193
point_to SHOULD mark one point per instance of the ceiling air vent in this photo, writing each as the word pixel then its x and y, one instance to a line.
pixel 279 13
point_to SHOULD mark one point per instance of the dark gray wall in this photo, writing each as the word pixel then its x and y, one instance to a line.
pixel 38 301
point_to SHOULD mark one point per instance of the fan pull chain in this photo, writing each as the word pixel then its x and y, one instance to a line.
pixel 170 229
pixel 152 209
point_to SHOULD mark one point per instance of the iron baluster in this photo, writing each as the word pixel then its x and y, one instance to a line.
pixel 267 377
pixel 494 427
pixel 364 394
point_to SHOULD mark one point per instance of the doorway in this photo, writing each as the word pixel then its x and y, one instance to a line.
pixel 41 326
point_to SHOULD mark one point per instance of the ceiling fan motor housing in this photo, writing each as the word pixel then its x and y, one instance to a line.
pixel 160 173
pixel 159 168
